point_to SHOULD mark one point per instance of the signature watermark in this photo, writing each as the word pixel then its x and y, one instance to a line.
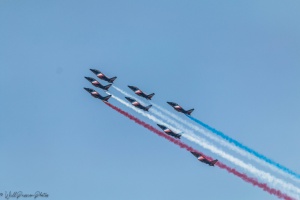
pixel 19 194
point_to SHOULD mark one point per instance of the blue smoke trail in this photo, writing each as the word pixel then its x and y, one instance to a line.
pixel 240 145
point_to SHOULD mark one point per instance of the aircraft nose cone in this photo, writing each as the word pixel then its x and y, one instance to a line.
pixel 131 87
pixel 161 126
pixel 170 103
pixel 94 71
pixel 87 89
pixel 195 154
pixel 87 78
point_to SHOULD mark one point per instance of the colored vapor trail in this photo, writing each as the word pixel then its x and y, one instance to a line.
pixel 203 143
pixel 244 177
pixel 220 141
pixel 264 186
pixel 245 148
pixel 207 134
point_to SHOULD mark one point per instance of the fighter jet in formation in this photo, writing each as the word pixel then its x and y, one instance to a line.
pixel 97 95
pixel 98 84
pixel 140 92
pixel 102 76
pixel 169 131
pixel 138 104
pixel 203 159
pixel 180 109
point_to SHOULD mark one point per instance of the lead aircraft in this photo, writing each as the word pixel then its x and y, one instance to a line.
pixel 102 76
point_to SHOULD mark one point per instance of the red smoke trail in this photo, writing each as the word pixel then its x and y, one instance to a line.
pixel 254 182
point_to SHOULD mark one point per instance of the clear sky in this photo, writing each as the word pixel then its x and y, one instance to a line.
pixel 236 62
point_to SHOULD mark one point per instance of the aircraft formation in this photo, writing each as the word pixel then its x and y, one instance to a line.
pixel 139 105
pixel 173 134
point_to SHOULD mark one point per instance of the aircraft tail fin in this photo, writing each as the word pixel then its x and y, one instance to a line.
pixel 189 112
pixel 112 79
pixel 106 98
pixel 150 96
pixel 213 162
pixel 147 108
pixel 107 86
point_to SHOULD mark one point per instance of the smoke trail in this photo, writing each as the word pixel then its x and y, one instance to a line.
pixel 249 150
pixel 259 173
pixel 190 136
pixel 123 92
pixel 212 137
pixel 145 114
pixel 173 115
pixel 244 177
pixel 220 141
pixel 256 183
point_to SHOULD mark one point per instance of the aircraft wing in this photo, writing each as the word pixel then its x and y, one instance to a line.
pixel 201 158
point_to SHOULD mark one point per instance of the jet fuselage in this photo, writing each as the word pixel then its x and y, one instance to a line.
pixel 102 76
pixel 140 93
pixel 98 84
pixel 138 104
pixel 169 131
pixel 203 159
pixel 178 108
pixel 97 95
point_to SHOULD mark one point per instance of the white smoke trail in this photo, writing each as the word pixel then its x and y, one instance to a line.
pixel 290 188
pixel 125 93
pixel 223 143
pixel 209 135
pixel 145 114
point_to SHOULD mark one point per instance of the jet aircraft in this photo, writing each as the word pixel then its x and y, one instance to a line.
pixel 97 95
pixel 137 104
pixel 102 76
pixel 180 109
pixel 169 131
pixel 140 92
pixel 97 84
pixel 203 159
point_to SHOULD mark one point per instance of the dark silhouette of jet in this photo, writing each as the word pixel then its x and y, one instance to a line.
pixel 178 108
pixel 203 159
pixel 102 76
pixel 140 92
pixel 97 95
pixel 138 104
pixel 97 83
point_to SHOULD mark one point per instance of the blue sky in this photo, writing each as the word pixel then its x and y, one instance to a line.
pixel 237 63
